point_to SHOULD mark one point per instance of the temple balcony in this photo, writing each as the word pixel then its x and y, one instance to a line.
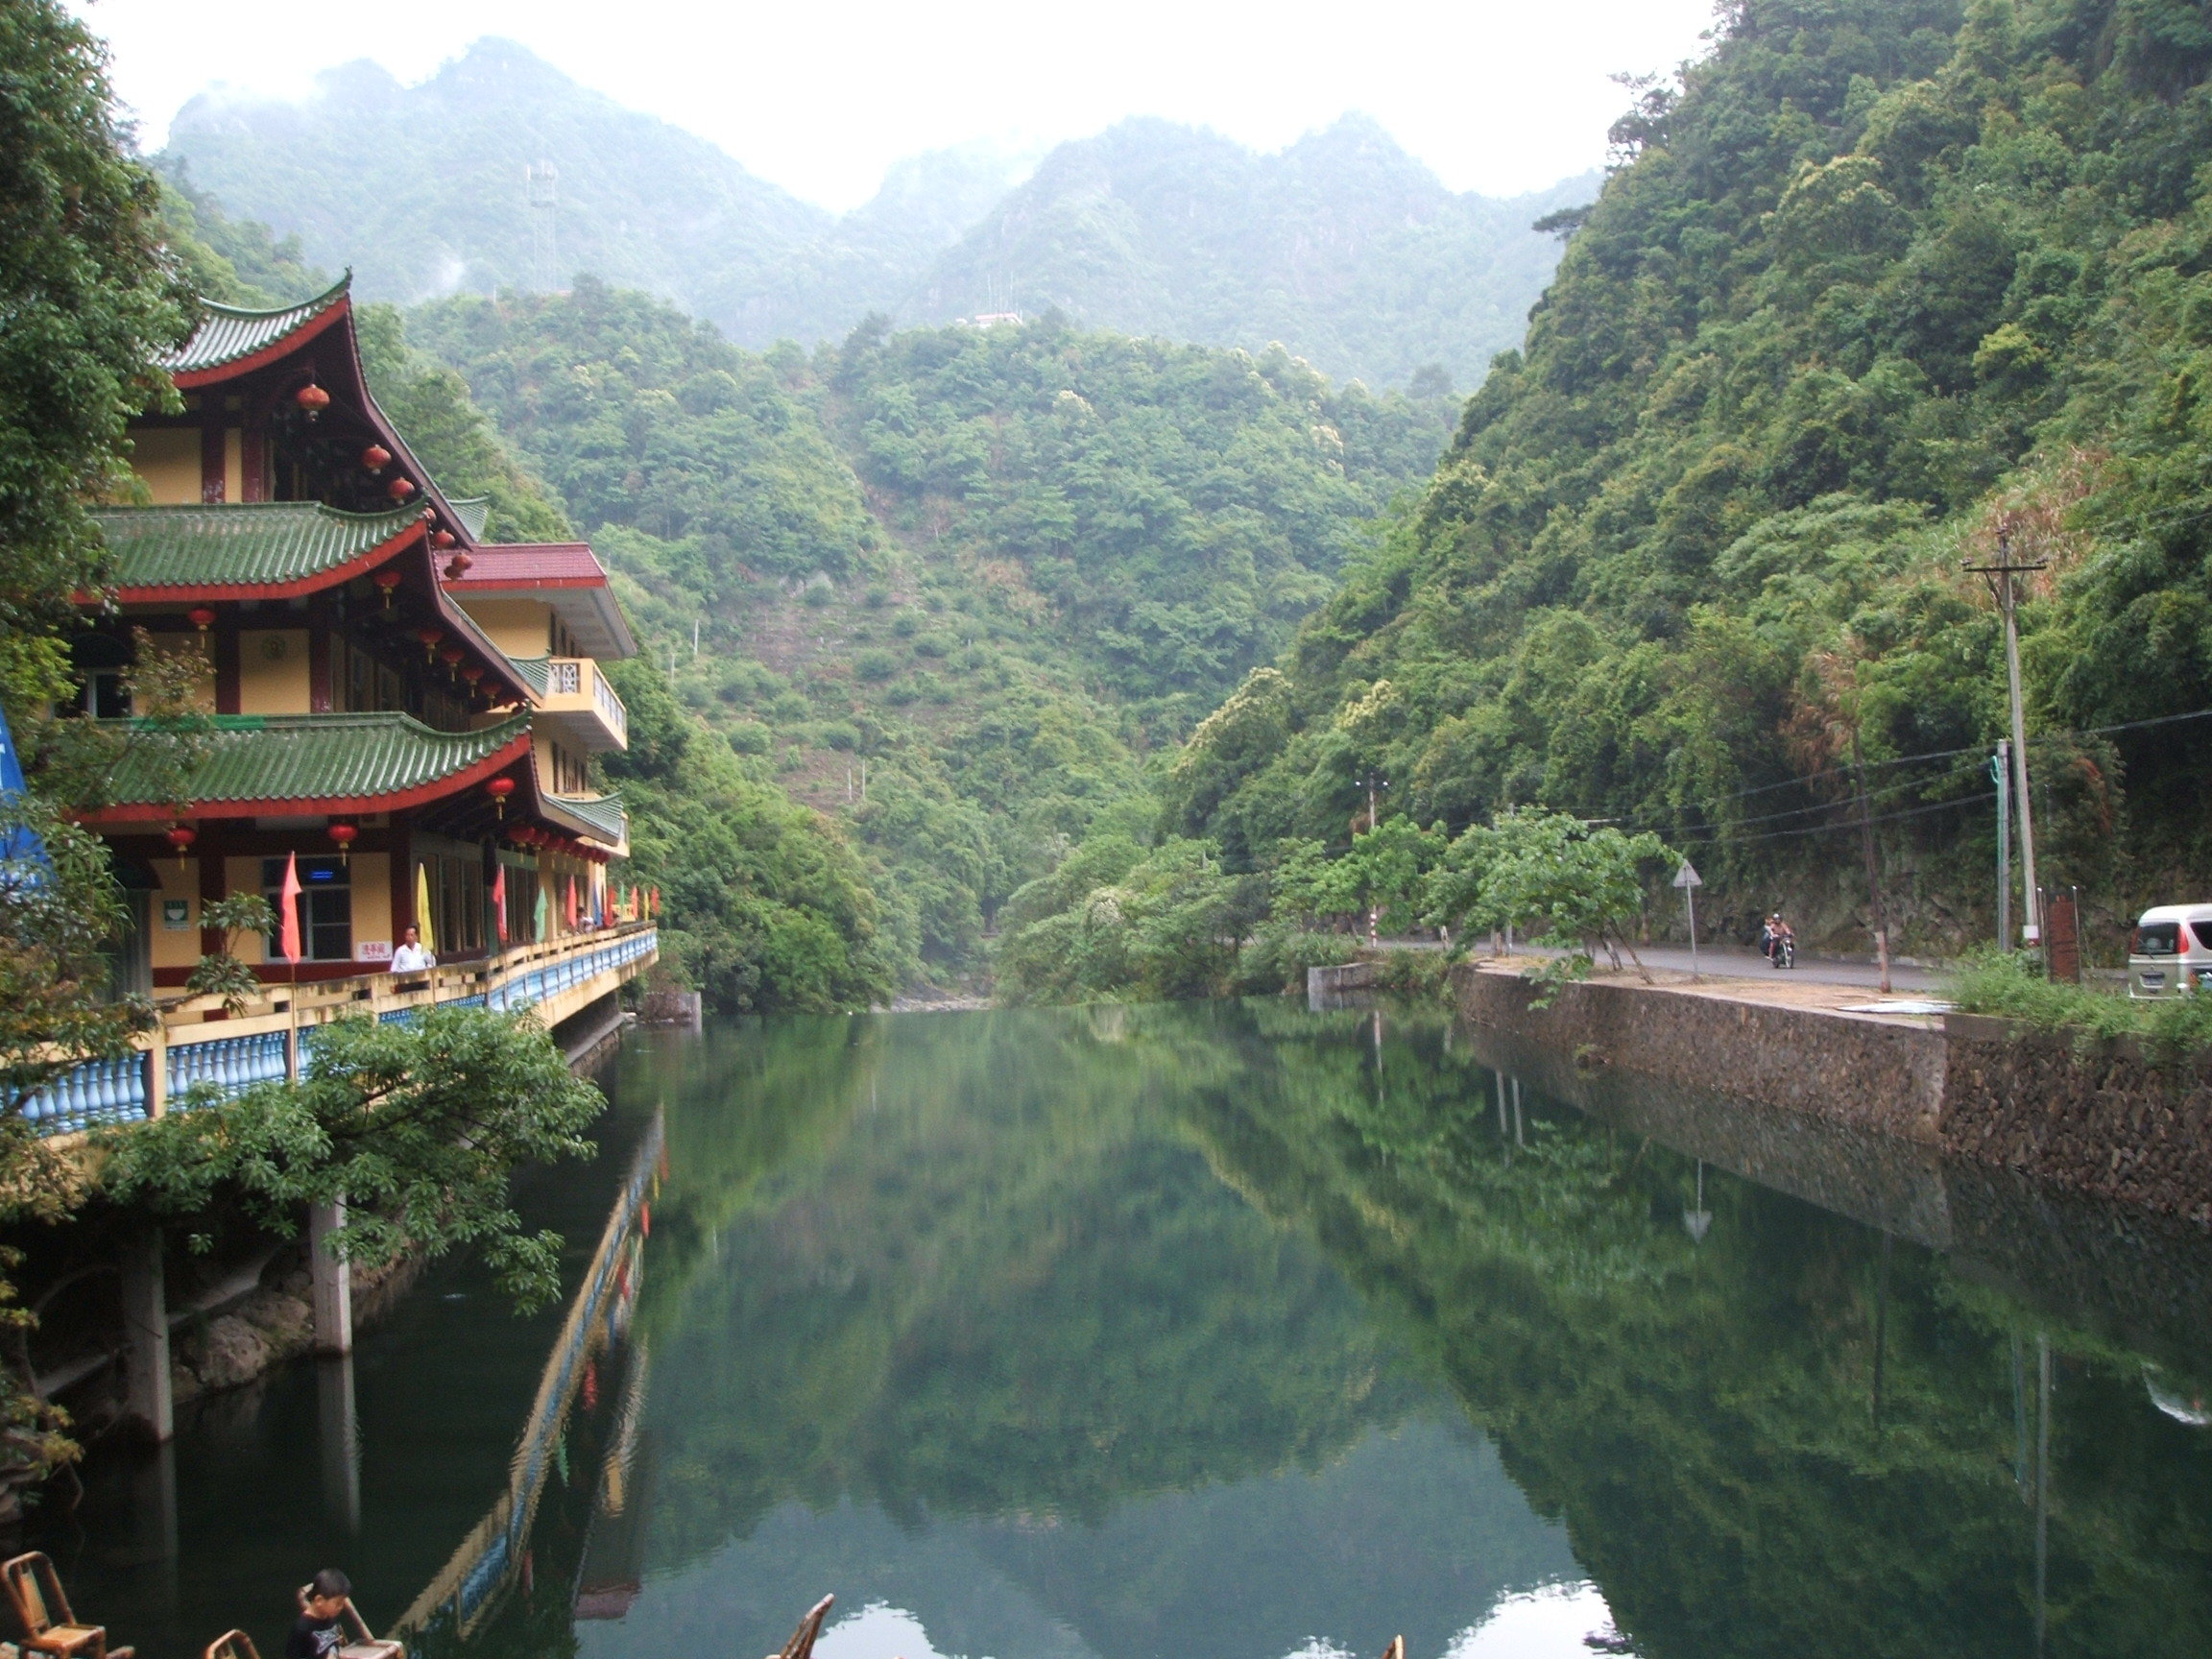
pixel 197 1044
pixel 575 696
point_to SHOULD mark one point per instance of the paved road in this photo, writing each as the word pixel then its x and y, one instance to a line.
pixel 1737 962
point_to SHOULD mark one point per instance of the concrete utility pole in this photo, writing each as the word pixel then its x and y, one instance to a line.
pixel 1998 768
pixel 1999 577
pixel 1873 868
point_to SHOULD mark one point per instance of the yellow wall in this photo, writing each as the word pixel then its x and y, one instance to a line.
pixel 177 948
pixel 518 627
pixel 372 904
pixel 233 465
pixel 243 875
pixel 273 671
pixel 168 459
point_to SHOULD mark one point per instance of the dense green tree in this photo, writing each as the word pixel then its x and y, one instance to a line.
pixel 86 301
pixel 413 1125
pixel 1877 285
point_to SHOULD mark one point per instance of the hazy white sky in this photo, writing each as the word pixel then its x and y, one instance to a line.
pixel 1496 95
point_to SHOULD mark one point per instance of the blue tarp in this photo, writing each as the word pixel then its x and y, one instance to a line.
pixel 22 855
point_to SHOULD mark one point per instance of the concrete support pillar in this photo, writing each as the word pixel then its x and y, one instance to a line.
pixel 333 1282
pixel 147 1399
pixel 339 1432
pixel 152 1553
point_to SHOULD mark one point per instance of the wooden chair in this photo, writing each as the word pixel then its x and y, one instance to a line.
pixel 802 1643
pixel 231 1644
pixel 49 1625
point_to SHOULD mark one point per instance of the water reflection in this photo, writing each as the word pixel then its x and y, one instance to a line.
pixel 1266 1333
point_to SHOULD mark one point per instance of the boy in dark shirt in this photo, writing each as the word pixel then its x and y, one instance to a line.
pixel 320 1631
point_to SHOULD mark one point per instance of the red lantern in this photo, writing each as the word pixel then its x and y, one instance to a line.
pixel 343 834
pixel 399 489
pixel 442 539
pixel 375 457
pixel 473 673
pixel 499 788
pixel 200 616
pixel 181 836
pixel 452 655
pixel 387 579
pixel 429 637
pixel 312 400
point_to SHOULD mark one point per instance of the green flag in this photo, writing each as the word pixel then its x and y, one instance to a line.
pixel 540 913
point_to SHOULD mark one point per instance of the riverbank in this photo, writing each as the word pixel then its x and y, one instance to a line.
pixel 2109 1118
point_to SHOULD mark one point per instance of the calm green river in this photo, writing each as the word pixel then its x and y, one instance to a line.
pixel 1240 1330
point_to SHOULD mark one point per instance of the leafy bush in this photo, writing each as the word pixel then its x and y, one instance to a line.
pixel 871 667
pixel 2011 986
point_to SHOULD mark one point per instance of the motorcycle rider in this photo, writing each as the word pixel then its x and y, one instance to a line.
pixel 1781 942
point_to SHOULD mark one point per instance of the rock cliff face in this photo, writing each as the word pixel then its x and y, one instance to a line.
pixel 273 1324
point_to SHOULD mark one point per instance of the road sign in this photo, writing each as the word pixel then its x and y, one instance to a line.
pixel 1689 881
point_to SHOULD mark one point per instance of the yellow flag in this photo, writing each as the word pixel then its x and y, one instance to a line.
pixel 422 927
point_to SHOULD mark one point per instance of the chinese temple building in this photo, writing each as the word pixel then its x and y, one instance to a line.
pixel 403 715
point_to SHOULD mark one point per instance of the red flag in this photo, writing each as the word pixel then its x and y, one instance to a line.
pixel 656 898
pixel 288 910
pixel 571 906
pixel 499 902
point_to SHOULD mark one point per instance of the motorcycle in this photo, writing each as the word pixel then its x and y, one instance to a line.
pixel 1783 954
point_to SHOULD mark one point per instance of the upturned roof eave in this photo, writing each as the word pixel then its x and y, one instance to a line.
pixel 322 311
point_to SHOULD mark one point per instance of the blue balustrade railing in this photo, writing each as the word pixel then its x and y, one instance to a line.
pixel 115 1091
pixel 97 1092
pixel 227 1067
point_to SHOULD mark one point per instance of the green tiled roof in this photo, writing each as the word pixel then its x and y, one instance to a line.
pixel 600 816
pixel 264 541
pixel 536 672
pixel 312 757
pixel 230 332
pixel 472 511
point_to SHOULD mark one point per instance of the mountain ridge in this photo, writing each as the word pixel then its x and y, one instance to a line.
pixel 1342 247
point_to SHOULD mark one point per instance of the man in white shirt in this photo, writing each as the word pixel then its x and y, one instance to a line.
pixel 411 957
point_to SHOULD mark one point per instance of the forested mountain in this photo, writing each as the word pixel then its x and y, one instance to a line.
pixel 422 189
pixel 1343 248
pixel 949 585
pixel 1887 287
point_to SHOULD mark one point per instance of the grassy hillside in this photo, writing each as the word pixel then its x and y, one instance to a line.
pixel 1886 285
pixel 981 575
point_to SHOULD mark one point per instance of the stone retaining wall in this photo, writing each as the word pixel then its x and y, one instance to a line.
pixel 2104 1118
pixel 1852 1068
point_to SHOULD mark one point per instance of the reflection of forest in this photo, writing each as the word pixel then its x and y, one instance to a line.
pixel 973 1271
pixel 1099 1296
pixel 1799 1436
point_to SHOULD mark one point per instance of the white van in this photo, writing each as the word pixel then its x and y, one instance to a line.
pixel 2171 952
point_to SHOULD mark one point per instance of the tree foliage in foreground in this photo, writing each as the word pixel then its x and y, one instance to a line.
pixel 415 1125
pixel 86 301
